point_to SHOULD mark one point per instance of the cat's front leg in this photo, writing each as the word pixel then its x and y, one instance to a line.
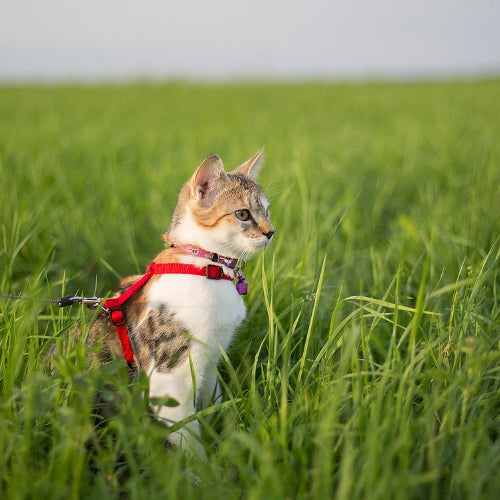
pixel 177 385
pixel 210 391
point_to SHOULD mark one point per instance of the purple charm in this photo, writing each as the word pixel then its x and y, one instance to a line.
pixel 242 285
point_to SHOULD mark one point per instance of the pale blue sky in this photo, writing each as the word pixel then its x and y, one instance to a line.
pixel 116 39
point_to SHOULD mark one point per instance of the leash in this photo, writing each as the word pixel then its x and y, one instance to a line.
pixel 67 300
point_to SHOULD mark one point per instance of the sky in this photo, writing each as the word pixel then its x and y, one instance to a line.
pixel 54 40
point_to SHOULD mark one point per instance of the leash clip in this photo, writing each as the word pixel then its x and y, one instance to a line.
pixel 92 302
pixel 69 300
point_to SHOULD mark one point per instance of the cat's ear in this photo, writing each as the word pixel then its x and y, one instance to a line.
pixel 251 167
pixel 206 178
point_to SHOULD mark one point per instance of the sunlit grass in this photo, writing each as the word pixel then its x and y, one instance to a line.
pixel 368 363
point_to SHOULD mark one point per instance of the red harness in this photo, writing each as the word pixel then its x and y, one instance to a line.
pixel 113 305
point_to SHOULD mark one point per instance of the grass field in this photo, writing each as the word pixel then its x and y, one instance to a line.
pixel 369 363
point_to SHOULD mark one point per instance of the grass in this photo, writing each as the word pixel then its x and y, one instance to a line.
pixel 369 362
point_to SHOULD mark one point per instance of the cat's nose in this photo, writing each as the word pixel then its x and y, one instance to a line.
pixel 269 234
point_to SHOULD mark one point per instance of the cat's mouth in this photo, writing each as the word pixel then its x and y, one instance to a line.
pixel 260 242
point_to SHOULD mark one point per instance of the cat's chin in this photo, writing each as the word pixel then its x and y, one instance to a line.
pixel 258 244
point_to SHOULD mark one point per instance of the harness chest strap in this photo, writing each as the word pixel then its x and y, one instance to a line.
pixel 113 305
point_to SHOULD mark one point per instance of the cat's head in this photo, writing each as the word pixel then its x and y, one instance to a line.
pixel 223 212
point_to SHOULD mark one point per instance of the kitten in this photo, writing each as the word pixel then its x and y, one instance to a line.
pixel 177 323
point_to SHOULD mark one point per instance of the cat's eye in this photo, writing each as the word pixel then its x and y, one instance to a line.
pixel 242 214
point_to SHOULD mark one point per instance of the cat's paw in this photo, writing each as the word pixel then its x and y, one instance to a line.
pixel 189 442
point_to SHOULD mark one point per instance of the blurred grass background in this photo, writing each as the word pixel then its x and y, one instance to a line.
pixel 368 364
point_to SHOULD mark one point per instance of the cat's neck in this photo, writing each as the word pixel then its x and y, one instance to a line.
pixel 204 254
pixel 172 255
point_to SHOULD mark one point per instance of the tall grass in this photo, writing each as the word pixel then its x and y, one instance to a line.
pixel 369 362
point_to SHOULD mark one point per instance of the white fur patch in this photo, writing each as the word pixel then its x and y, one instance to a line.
pixel 211 310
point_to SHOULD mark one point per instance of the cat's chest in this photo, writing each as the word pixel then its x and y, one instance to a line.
pixel 210 309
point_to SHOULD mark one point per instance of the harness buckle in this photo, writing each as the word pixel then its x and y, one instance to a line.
pixel 117 317
pixel 214 272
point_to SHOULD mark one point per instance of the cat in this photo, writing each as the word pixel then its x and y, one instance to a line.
pixel 179 323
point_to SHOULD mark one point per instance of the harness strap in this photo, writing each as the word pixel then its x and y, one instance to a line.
pixel 113 305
